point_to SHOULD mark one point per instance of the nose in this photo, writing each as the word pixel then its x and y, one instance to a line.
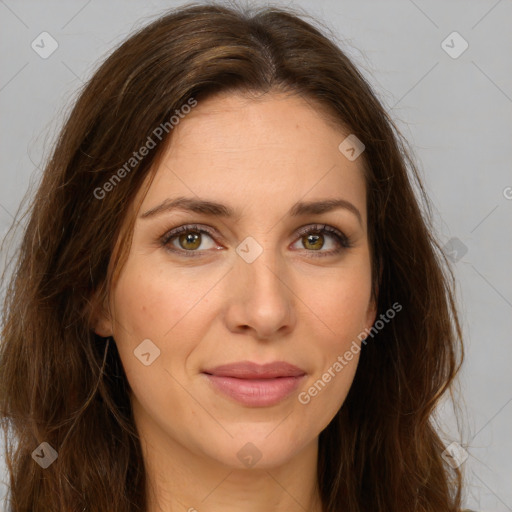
pixel 259 298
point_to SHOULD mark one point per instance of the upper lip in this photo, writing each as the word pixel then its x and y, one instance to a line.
pixel 250 370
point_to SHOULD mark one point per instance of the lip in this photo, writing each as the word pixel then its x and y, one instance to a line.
pixel 257 385
pixel 250 370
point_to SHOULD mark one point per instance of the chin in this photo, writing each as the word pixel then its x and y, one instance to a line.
pixel 254 450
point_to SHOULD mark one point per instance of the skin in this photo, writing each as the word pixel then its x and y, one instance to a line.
pixel 259 156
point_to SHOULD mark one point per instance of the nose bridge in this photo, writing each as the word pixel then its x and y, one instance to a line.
pixel 261 298
pixel 259 266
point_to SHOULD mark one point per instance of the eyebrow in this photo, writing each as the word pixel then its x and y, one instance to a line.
pixel 206 207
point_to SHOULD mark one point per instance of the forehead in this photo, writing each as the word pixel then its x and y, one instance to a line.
pixel 274 149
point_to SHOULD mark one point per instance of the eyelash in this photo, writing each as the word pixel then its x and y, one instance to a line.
pixel 342 240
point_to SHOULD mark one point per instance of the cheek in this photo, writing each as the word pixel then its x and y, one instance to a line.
pixel 171 310
pixel 340 305
pixel 326 390
pixel 147 321
pixel 145 309
pixel 150 303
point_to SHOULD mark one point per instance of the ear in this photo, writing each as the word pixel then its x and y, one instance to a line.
pixel 101 322
pixel 371 313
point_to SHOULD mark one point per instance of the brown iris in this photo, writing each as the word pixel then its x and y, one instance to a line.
pixel 315 241
pixel 191 237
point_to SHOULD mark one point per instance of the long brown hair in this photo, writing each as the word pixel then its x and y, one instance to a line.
pixel 62 384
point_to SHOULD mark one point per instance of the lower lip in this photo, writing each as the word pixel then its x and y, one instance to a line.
pixel 256 392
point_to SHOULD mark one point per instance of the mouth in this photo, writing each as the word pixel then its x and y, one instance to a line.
pixel 253 384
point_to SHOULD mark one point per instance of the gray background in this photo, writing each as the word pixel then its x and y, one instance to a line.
pixel 455 112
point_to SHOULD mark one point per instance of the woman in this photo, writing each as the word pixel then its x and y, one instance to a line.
pixel 227 295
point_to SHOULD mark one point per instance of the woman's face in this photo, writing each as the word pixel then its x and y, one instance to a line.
pixel 251 288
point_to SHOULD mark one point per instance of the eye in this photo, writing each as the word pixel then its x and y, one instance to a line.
pixel 188 240
pixel 313 239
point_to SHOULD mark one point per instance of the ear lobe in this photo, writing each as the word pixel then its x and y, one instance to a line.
pixel 372 308
pixel 371 314
pixel 102 326
pixel 100 320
